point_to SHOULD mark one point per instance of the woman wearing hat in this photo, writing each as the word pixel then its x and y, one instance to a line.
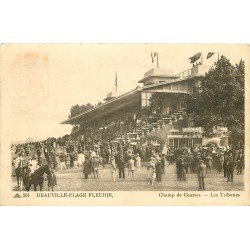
pixel 131 167
pixel 138 162
pixel 151 171
pixel 113 168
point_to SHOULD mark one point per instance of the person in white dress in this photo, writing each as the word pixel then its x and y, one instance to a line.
pixel 81 159
pixel 131 167
pixel 113 168
pixel 138 162
pixel 151 171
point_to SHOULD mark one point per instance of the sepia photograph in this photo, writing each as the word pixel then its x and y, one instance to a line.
pixel 126 117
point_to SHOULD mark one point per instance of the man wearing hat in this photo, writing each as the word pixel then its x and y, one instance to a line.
pixel 95 166
pixel 201 174
pixel 230 168
pixel 120 160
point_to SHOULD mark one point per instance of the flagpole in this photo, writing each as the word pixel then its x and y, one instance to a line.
pixel 157 61
pixel 115 81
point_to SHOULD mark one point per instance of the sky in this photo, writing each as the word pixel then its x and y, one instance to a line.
pixel 40 82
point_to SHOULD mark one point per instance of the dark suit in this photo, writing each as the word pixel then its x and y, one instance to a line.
pixel 158 171
pixel 225 167
pixel 119 159
pixel 230 172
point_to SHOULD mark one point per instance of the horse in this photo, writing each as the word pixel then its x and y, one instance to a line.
pixel 36 178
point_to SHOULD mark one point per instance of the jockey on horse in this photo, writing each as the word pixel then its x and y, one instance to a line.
pixel 32 165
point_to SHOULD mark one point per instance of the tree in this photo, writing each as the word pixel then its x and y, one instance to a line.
pixel 77 110
pixel 159 101
pixel 220 99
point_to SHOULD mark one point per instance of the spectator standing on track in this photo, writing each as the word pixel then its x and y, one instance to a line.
pixel 230 170
pixel 95 166
pixel 131 167
pixel 81 158
pixel 62 162
pixel 67 158
pixel 113 168
pixel 209 163
pixel 52 182
pixel 163 163
pixel 240 164
pixel 151 171
pixel 75 160
pixel 57 162
pixel 158 170
pixel 120 163
pixel 201 174
pixel 221 161
pixel 87 167
pixel 225 165
pixel 138 162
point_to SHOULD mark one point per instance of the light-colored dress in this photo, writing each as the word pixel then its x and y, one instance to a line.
pixel 138 162
pixel 131 165
pixel 113 166
pixel 81 159
pixel 151 170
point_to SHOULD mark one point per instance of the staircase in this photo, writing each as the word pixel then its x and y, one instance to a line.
pixel 161 129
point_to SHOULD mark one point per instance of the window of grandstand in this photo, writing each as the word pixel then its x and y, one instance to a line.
pixel 171 143
pixel 167 87
pixel 190 123
pixel 174 86
pixel 182 105
pixel 196 90
pixel 190 142
pixel 145 99
pixel 190 85
pixel 183 85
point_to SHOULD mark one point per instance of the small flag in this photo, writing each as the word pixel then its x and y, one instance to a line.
pixel 153 55
pixel 195 57
pixel 210 54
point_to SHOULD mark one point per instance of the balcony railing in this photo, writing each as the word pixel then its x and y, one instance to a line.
pixel 185 73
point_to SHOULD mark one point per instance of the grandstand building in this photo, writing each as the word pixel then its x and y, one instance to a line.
pixel 125 112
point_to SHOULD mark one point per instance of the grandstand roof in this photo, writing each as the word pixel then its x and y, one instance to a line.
pixel 157 73
pixel 169 81
pixel 132 98
pixel 125 100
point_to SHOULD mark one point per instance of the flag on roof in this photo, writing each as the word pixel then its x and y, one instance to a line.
pixel 195 57
pixel 210 54
pixel 153 55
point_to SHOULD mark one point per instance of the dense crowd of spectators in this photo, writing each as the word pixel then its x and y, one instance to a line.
pixel 97 147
